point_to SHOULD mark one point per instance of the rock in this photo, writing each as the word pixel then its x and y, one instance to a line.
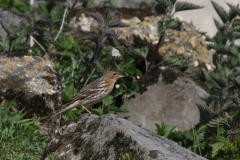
pixel 175 104
pixel 193 41
pixel 109 137
pixel 145 32
pixel 87 23
pixel 174 43
pixel 9 18
pixel 32 83
pixel 181 52
pixel 195 63
pixel 115 52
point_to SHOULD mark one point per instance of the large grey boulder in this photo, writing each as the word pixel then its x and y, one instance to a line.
pixel 175 104
pixel 109 137
pixel 32 82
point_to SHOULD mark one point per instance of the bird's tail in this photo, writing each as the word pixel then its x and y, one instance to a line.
pixel 65 107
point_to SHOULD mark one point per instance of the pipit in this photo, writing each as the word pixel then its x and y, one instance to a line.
pixel 92 93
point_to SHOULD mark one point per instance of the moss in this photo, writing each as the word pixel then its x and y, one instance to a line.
pixel 122 144
pixel 34 106
pixel 50 149
pixel 171 74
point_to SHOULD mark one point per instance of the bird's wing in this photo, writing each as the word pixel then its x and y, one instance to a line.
pixel 85 93
pixel 88 91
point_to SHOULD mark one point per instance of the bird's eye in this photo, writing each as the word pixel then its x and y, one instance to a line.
pixel 114 74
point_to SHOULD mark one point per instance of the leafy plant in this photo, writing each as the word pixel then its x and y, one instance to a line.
pixel 170 7
pixel 165 130
pixel 126 156
pixel 105 36
pixel 15 35
pixel 110 3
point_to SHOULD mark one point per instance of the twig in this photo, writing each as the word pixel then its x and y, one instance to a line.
pixel 40 45
pixel 153 59
pixel 60 30
pixel 146 66
pixel 235 127
pixel 234 136
pixel 159 64
pixel 74 5
pixel 89 63
pixel 89 76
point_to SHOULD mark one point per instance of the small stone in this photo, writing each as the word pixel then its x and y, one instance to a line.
pixel 136 20
pixel 162 68
pixel 154 42
pixel 181 52
pixel 208 66
pixel 126 21
pixel 117 86
pixel 195 63
pixel 166 40
pixel 193 41
pixel 115 53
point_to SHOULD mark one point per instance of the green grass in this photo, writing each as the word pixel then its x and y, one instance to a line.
pixel 19 138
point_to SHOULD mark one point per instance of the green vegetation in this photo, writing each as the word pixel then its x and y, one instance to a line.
pixel 126 156
pixel 19 138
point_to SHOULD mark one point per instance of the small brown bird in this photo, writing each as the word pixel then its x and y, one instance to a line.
pixel 92 93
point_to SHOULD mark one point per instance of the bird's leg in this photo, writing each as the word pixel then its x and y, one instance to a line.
pixel 86 109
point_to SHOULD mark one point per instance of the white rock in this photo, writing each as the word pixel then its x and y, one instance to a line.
pixel 209 67
pixel 195 63
pixel 193 41
pixel 117 86
pixel 115 53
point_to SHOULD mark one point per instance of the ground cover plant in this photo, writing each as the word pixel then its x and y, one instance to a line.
pixel 20 138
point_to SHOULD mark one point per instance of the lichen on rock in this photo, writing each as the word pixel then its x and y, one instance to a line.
pixel 108 138
pixel 37 89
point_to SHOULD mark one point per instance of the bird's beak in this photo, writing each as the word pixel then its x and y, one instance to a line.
pixel 121 76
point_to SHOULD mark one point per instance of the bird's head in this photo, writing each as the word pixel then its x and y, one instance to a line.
pixel 112 75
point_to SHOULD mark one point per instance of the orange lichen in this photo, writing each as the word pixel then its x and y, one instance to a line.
pixel 45 73
pixel 6 61
pixel 9 67
pixel 37 66
pixel 99 129
pixel 28 59
pixel 122 129
pixel 19 63
pixel 5 76
pixel 48 85
pixel 40 65
pixel 30 73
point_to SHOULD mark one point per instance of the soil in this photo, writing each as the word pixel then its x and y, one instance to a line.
pixel 122 13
